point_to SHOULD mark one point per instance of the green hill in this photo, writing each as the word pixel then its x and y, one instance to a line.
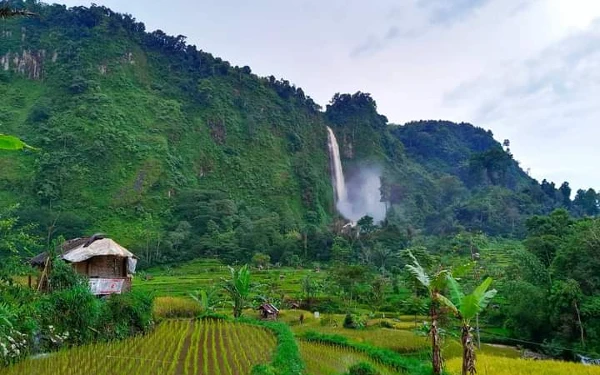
pixel 179 154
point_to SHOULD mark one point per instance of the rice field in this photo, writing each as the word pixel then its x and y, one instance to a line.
pixel 323 359
pixel 204 273
pixel 211 347
pixel 492 365
pixel 175 307
pixel 401 341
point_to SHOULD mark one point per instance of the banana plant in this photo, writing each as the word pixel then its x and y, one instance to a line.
pixel 466 308
pixel 435 285
pixel 9 142
pixel 238 288
pixel 206 300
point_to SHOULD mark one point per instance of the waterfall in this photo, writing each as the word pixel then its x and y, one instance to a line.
pixel 360 195
pixel 337 173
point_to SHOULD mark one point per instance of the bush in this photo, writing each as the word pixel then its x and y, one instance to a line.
pixel 349 322
pixel 64 277
pixel 128 314
pixel 76 311
pixel 362 368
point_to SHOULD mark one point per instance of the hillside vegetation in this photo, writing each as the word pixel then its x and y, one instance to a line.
pixel 170 149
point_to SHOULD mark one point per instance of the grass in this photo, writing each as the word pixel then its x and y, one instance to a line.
pixel 323 359
pixel 492 365
pixel 176 347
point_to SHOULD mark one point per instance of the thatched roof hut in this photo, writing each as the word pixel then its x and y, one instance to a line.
pixel 107 264
pixel 268 311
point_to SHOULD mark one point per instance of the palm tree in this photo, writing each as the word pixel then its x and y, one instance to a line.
pixel 466 308
pixel 434 285
pixel 238 288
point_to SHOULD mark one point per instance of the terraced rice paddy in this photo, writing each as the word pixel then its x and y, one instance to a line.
pixel 200 274
pixel 491 365
pixel 323 359
pixel 174 348
pixel 401 341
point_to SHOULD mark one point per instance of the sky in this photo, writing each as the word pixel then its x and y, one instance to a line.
pixel 529 70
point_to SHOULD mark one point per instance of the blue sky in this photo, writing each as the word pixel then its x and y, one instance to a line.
pixel 529 70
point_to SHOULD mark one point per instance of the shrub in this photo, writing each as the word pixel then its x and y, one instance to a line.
pixel 362 368
pixel 64 277
pixel 76 311
pixel 349 322
pixel 130 313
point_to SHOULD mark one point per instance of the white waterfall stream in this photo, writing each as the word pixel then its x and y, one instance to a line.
pixel 337 173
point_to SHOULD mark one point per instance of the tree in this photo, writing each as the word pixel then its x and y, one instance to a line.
pixel 310 288
pixel 260 260
pixel 238 288
pixel 467 307
pixel 434 285
pixel 565 190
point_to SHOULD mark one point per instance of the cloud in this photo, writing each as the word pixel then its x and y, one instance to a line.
pixel 374 44
pixel 448 12
pixel 550 101
pixel 414 19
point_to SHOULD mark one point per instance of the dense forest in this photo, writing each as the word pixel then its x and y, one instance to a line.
pixel 179 155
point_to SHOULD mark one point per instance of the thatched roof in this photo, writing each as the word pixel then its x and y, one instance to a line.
pixel 269 309
pixel 82 249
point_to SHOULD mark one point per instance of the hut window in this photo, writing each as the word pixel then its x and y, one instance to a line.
pixel 114 266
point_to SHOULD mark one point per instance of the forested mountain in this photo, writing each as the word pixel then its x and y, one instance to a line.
pixel 179 154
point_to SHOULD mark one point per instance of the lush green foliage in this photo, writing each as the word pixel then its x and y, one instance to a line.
pixel 552 286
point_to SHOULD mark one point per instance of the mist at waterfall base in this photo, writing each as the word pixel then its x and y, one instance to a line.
pixel 363 196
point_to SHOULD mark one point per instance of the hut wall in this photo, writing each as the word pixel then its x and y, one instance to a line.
pixel 81 268
pixel 107 267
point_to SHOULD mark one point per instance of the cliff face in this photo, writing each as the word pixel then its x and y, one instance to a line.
pixel 27 63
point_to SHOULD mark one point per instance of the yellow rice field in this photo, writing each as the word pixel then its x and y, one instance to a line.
pixel 491 365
